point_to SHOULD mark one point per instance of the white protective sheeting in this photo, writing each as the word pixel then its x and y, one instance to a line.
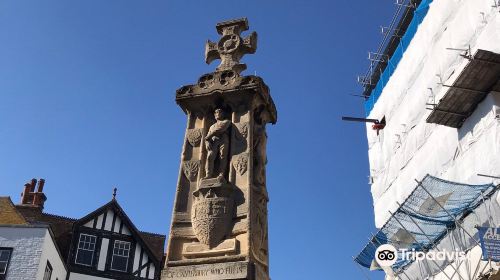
pixel 408 148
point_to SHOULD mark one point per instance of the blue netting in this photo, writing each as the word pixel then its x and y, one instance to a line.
pixel 393 62
pixel 422 220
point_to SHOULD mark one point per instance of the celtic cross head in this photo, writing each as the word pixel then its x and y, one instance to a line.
pixel 231 46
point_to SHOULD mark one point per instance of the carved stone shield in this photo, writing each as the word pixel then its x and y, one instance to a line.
pixel 212 211
pixel 194 136
pixel 240 163
pixel 211 218
pixel 243 129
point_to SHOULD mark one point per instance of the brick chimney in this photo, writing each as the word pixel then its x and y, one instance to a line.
pixel 33 198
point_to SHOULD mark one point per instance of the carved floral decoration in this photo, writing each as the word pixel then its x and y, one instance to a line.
pixel 190 169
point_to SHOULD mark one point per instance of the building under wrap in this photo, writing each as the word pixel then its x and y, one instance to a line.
pixel 435 160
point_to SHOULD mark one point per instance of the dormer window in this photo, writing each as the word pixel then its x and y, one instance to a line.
pixel 121 252
pixel 85 250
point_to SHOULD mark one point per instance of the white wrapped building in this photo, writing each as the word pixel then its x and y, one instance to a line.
pixel 436 92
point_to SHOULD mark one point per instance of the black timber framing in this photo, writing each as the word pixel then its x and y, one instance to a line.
pixel 480 76
pixel 135 238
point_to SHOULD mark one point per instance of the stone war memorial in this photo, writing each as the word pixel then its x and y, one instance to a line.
pixel 219 221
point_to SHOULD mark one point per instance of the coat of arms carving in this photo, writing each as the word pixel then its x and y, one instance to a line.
pixel 212 211
pixel 240 163
pixel 243 129
pixel 194 136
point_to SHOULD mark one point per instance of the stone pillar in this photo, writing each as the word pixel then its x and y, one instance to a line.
pixel 219 221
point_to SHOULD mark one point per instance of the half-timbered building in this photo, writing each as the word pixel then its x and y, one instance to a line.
pixel 104 244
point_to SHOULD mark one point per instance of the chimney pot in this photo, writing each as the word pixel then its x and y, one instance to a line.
pixel 30 197
pixel 26 194
pixel 39 199
pixel 41 182
pixel 33 184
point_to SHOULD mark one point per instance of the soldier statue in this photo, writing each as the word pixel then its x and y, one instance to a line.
pixel 217 144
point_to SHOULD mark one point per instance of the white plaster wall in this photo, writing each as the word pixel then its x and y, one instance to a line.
pixel 32 247
pixel 103 255
pixel 27 244
pixel 50 253
pixel 109 220
pixel 408 147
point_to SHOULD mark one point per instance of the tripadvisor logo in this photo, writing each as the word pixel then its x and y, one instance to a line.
pixel 386 255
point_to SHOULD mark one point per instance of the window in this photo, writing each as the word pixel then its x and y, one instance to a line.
pixel 48 271
pixel 121 251
pixel 85 250
pixel 4 261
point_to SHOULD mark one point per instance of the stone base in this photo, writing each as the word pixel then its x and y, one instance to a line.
pixel 216 182
pixel 202 250
pixel 217 271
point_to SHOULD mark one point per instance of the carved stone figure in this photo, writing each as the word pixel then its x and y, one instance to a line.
pixel 217 144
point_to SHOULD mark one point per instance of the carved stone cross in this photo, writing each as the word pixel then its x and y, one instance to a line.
pixel 231 46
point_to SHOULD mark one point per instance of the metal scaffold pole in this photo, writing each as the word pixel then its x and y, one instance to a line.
pixel 360 268
pixel 416 241
pixel 435 245
pixel 448 213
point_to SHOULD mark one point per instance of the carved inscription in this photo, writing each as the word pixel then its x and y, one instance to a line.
pixel 233 270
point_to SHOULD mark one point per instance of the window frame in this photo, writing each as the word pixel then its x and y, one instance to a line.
pixel 128 256
pixel 48 266
pixel 10 250
pixel 93 251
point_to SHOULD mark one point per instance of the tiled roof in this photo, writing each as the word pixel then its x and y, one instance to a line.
pixel 9 214
pixel 61 226
pixel 156 242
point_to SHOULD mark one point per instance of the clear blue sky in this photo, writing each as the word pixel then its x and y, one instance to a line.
pixel 87 102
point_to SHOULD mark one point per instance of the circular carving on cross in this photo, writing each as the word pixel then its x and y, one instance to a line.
pixel 229 43
pixel 231 47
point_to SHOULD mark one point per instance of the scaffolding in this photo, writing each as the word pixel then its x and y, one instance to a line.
pixel 396 38
pixel 438 215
